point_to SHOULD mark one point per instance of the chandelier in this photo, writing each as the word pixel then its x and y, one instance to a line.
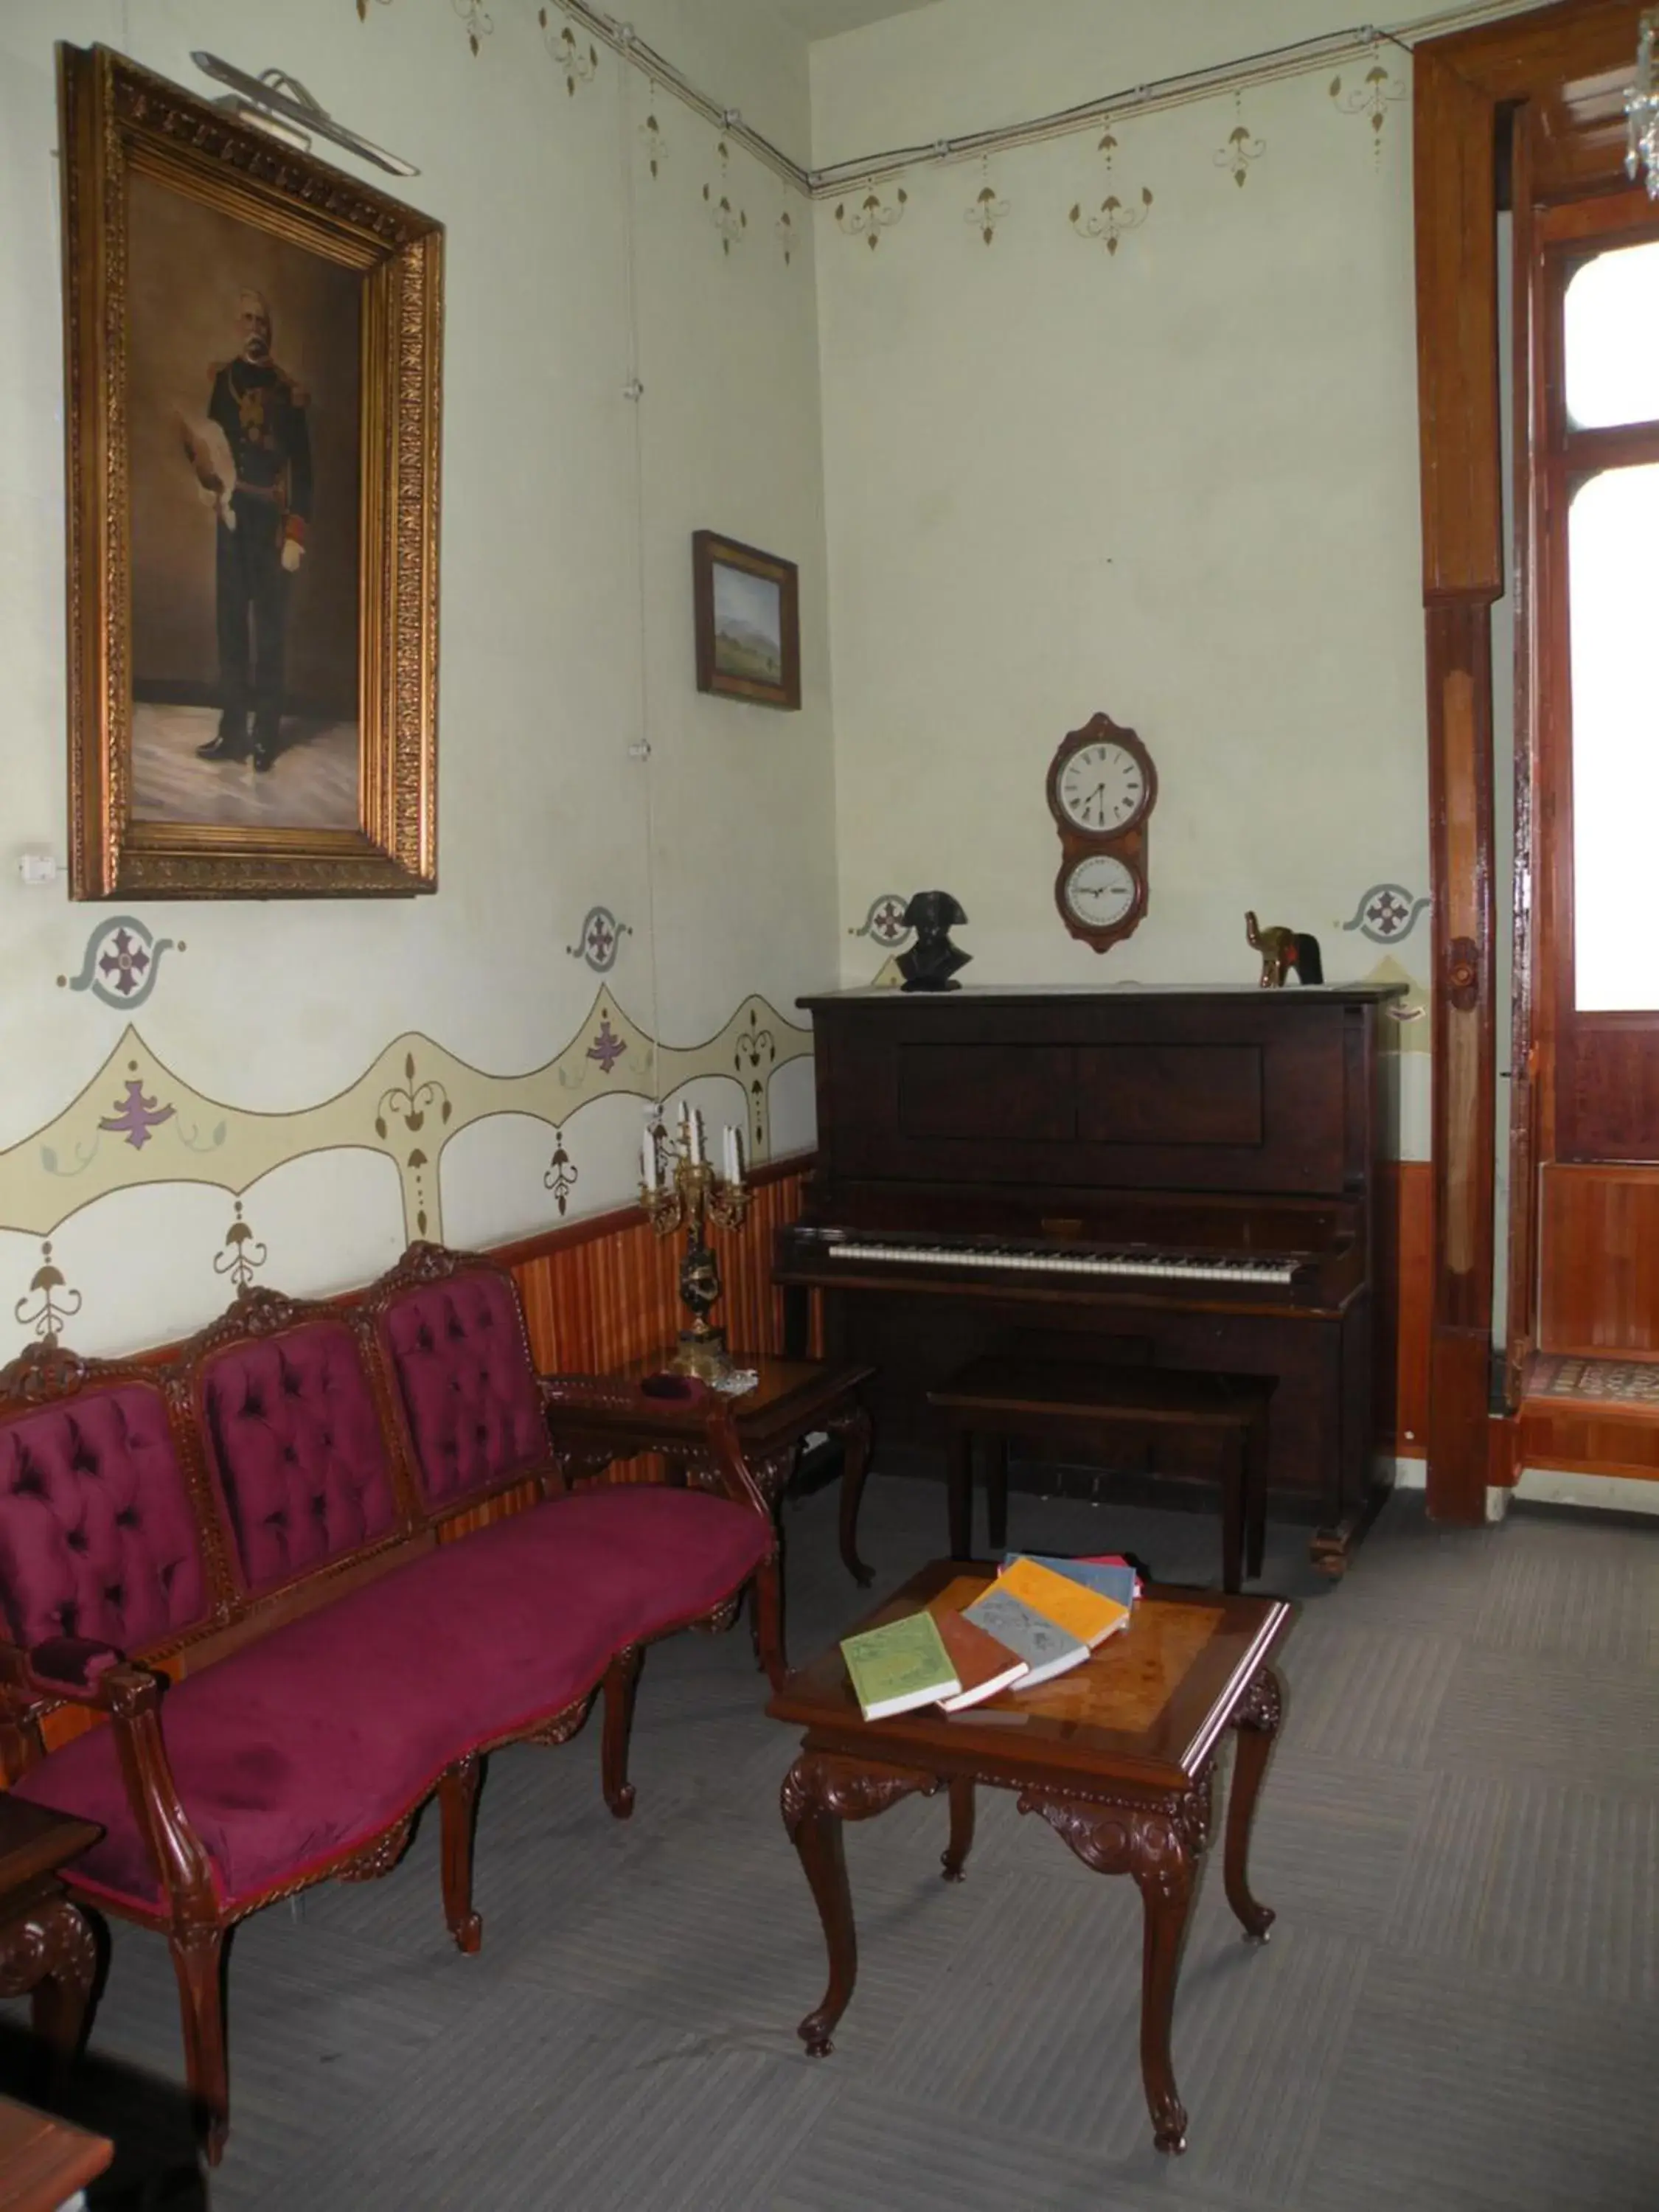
pixel 1642 110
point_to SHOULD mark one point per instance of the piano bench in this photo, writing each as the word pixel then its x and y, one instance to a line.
pixel 1098 1407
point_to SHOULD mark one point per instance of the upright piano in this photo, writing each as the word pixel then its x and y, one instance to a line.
pixel 1187 1176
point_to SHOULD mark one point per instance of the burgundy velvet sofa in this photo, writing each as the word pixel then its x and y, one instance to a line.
pixel 261 1601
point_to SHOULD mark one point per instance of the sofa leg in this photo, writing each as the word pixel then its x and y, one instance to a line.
pixel 457 1799
pixel 767 1601
pixel 621 1680
pixel 198 1962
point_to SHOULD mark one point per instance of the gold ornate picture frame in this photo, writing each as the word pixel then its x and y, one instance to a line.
pixel 252 355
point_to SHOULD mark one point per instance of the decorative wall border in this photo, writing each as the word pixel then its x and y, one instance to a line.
pixel 138 1122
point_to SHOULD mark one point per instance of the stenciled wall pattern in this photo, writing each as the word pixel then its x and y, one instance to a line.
pixel 139 1122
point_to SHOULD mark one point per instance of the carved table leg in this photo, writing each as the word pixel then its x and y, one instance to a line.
pixel 766 1628
pixel 50 1953
pixel 458 1797
pixel 1160 1842
pixel 955 1858
pixel 1256 1724
pixel 854 1432
pixel 1166 1879
pixel 621 1680
pixel 819 1792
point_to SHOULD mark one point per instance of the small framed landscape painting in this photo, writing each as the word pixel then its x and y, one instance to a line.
pixel 253 349
pixel 748 612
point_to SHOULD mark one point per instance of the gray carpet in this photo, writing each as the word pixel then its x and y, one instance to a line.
pixel 1459 1833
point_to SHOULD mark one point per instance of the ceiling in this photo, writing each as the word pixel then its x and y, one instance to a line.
pixel 823 19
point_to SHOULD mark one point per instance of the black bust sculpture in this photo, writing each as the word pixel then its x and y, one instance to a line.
pixel 932 961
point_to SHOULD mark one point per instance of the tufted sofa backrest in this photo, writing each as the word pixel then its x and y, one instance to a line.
pixel 294 1444
pixel 98 1532
pixel 468 1393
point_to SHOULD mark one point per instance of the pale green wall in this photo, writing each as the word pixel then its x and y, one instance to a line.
pixel 1178 483
pixel 720 854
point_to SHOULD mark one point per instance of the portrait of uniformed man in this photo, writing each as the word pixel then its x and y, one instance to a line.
pixel 243 404
pixel 256 475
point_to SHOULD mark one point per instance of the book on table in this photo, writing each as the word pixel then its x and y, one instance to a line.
pixel 984 1664
pixel 900 1665
pixel 1084 1612
pixel 1047 1648
pixel 1112 1577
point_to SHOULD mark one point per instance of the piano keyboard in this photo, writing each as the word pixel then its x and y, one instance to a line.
pixel 1172 1267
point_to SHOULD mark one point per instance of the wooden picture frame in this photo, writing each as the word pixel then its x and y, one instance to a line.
pixel 747 605
pixel 253 348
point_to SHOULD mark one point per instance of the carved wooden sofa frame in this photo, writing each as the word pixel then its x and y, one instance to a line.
pixel 433 1478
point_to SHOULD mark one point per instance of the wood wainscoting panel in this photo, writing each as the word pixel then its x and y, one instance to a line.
pixel 1599 1261
pixel 1404 1274
pixel 1577 1440
pixel 606 1291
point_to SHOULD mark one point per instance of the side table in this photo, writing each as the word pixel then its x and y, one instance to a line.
pixel 47 1949
pixel 792 1398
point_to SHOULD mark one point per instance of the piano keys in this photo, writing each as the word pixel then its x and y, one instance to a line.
pixel 1184 1175
pixel 1089 1263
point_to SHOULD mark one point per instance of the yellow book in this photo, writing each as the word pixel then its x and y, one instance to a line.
pixel 1085 1613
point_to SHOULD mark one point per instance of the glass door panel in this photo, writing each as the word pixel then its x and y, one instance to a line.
pixel 1612 568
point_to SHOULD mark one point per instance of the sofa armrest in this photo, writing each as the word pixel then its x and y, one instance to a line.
pixel 78 1670
pixel 70 1666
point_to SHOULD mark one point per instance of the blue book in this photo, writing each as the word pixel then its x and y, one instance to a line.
pixel 1117 1582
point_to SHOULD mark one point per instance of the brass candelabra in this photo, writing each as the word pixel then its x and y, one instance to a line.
pixel 679 1189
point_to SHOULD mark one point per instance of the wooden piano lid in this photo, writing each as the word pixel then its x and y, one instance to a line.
pixel 988 995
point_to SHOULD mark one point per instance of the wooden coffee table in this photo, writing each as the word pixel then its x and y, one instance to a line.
pixel 1116 1757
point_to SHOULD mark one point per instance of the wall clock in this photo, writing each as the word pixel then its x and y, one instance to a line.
pixel 1102 789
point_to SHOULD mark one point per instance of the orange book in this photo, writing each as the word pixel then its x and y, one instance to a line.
pixel 1085 1613
pixel 983 1665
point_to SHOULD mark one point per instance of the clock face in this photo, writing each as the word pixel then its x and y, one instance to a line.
pixel 1101 890
pixel 1102 788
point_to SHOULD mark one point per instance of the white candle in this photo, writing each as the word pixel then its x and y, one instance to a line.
pixel 729 1153
pixel 648 1159
pixel 696 1120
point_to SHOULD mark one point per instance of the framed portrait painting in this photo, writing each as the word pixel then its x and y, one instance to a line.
pixel 253 343
pixel 747 605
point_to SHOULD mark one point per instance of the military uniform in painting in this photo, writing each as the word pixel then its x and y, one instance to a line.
pixel 261 524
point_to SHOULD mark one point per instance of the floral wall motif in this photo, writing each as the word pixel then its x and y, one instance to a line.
pixel 414 1098
pixel 122 961
pixel 1387 913
pixel 599 940
pixel 1116 215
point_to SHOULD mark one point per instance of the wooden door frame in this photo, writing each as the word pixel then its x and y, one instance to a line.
pixel 1567 65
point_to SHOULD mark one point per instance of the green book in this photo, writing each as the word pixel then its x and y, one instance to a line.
pixel 899 1666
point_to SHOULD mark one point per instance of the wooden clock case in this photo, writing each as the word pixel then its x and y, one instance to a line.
pixel 1128 844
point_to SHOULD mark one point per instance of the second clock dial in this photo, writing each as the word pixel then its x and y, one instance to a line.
pixel 1101 890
